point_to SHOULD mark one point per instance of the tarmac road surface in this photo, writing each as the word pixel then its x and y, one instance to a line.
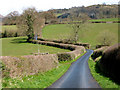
pixel 78 75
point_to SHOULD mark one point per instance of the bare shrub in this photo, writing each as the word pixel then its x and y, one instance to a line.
pixel 65 56
pixel 77 25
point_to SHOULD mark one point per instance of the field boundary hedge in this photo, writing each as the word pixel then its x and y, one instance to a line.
pixel 75 50
pixel 105 22
pixel 86 45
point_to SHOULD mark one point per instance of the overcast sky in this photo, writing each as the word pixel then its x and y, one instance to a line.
pixel 7 6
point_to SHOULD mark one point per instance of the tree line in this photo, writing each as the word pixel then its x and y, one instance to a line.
pixel 93 12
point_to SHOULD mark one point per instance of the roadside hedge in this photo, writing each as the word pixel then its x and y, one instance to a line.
pixel 110 62
pixel 86 45
pixel 27 65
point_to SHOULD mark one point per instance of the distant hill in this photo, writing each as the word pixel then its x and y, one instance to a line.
pixel 94 11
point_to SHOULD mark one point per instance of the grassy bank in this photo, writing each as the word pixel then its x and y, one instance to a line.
pixel 18 46
pixel 41 80
pixel 104 82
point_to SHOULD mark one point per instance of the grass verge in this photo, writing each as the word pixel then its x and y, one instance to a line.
pixel 104 82
pixel 40 80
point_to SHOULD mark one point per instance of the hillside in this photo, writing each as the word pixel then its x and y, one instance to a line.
pixel 94 11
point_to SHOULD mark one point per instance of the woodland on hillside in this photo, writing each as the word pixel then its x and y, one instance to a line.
pixel 93 12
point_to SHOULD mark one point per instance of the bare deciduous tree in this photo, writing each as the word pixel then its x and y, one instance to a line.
pixel 48 16
pixel 106 38
pixel 39 23
pixel 77 24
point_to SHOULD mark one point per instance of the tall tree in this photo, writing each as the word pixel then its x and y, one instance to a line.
pixel 30 23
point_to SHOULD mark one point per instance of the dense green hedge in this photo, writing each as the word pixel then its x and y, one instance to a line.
pixel 110 62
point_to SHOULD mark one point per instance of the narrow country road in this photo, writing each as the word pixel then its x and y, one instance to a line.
pixel 78 75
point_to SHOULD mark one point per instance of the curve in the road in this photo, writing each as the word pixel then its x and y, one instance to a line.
pixel 78 75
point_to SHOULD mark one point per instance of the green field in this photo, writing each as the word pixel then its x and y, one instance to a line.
pixel 106 19
pixel 88 34
pixel 58 31
pixel 18 46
